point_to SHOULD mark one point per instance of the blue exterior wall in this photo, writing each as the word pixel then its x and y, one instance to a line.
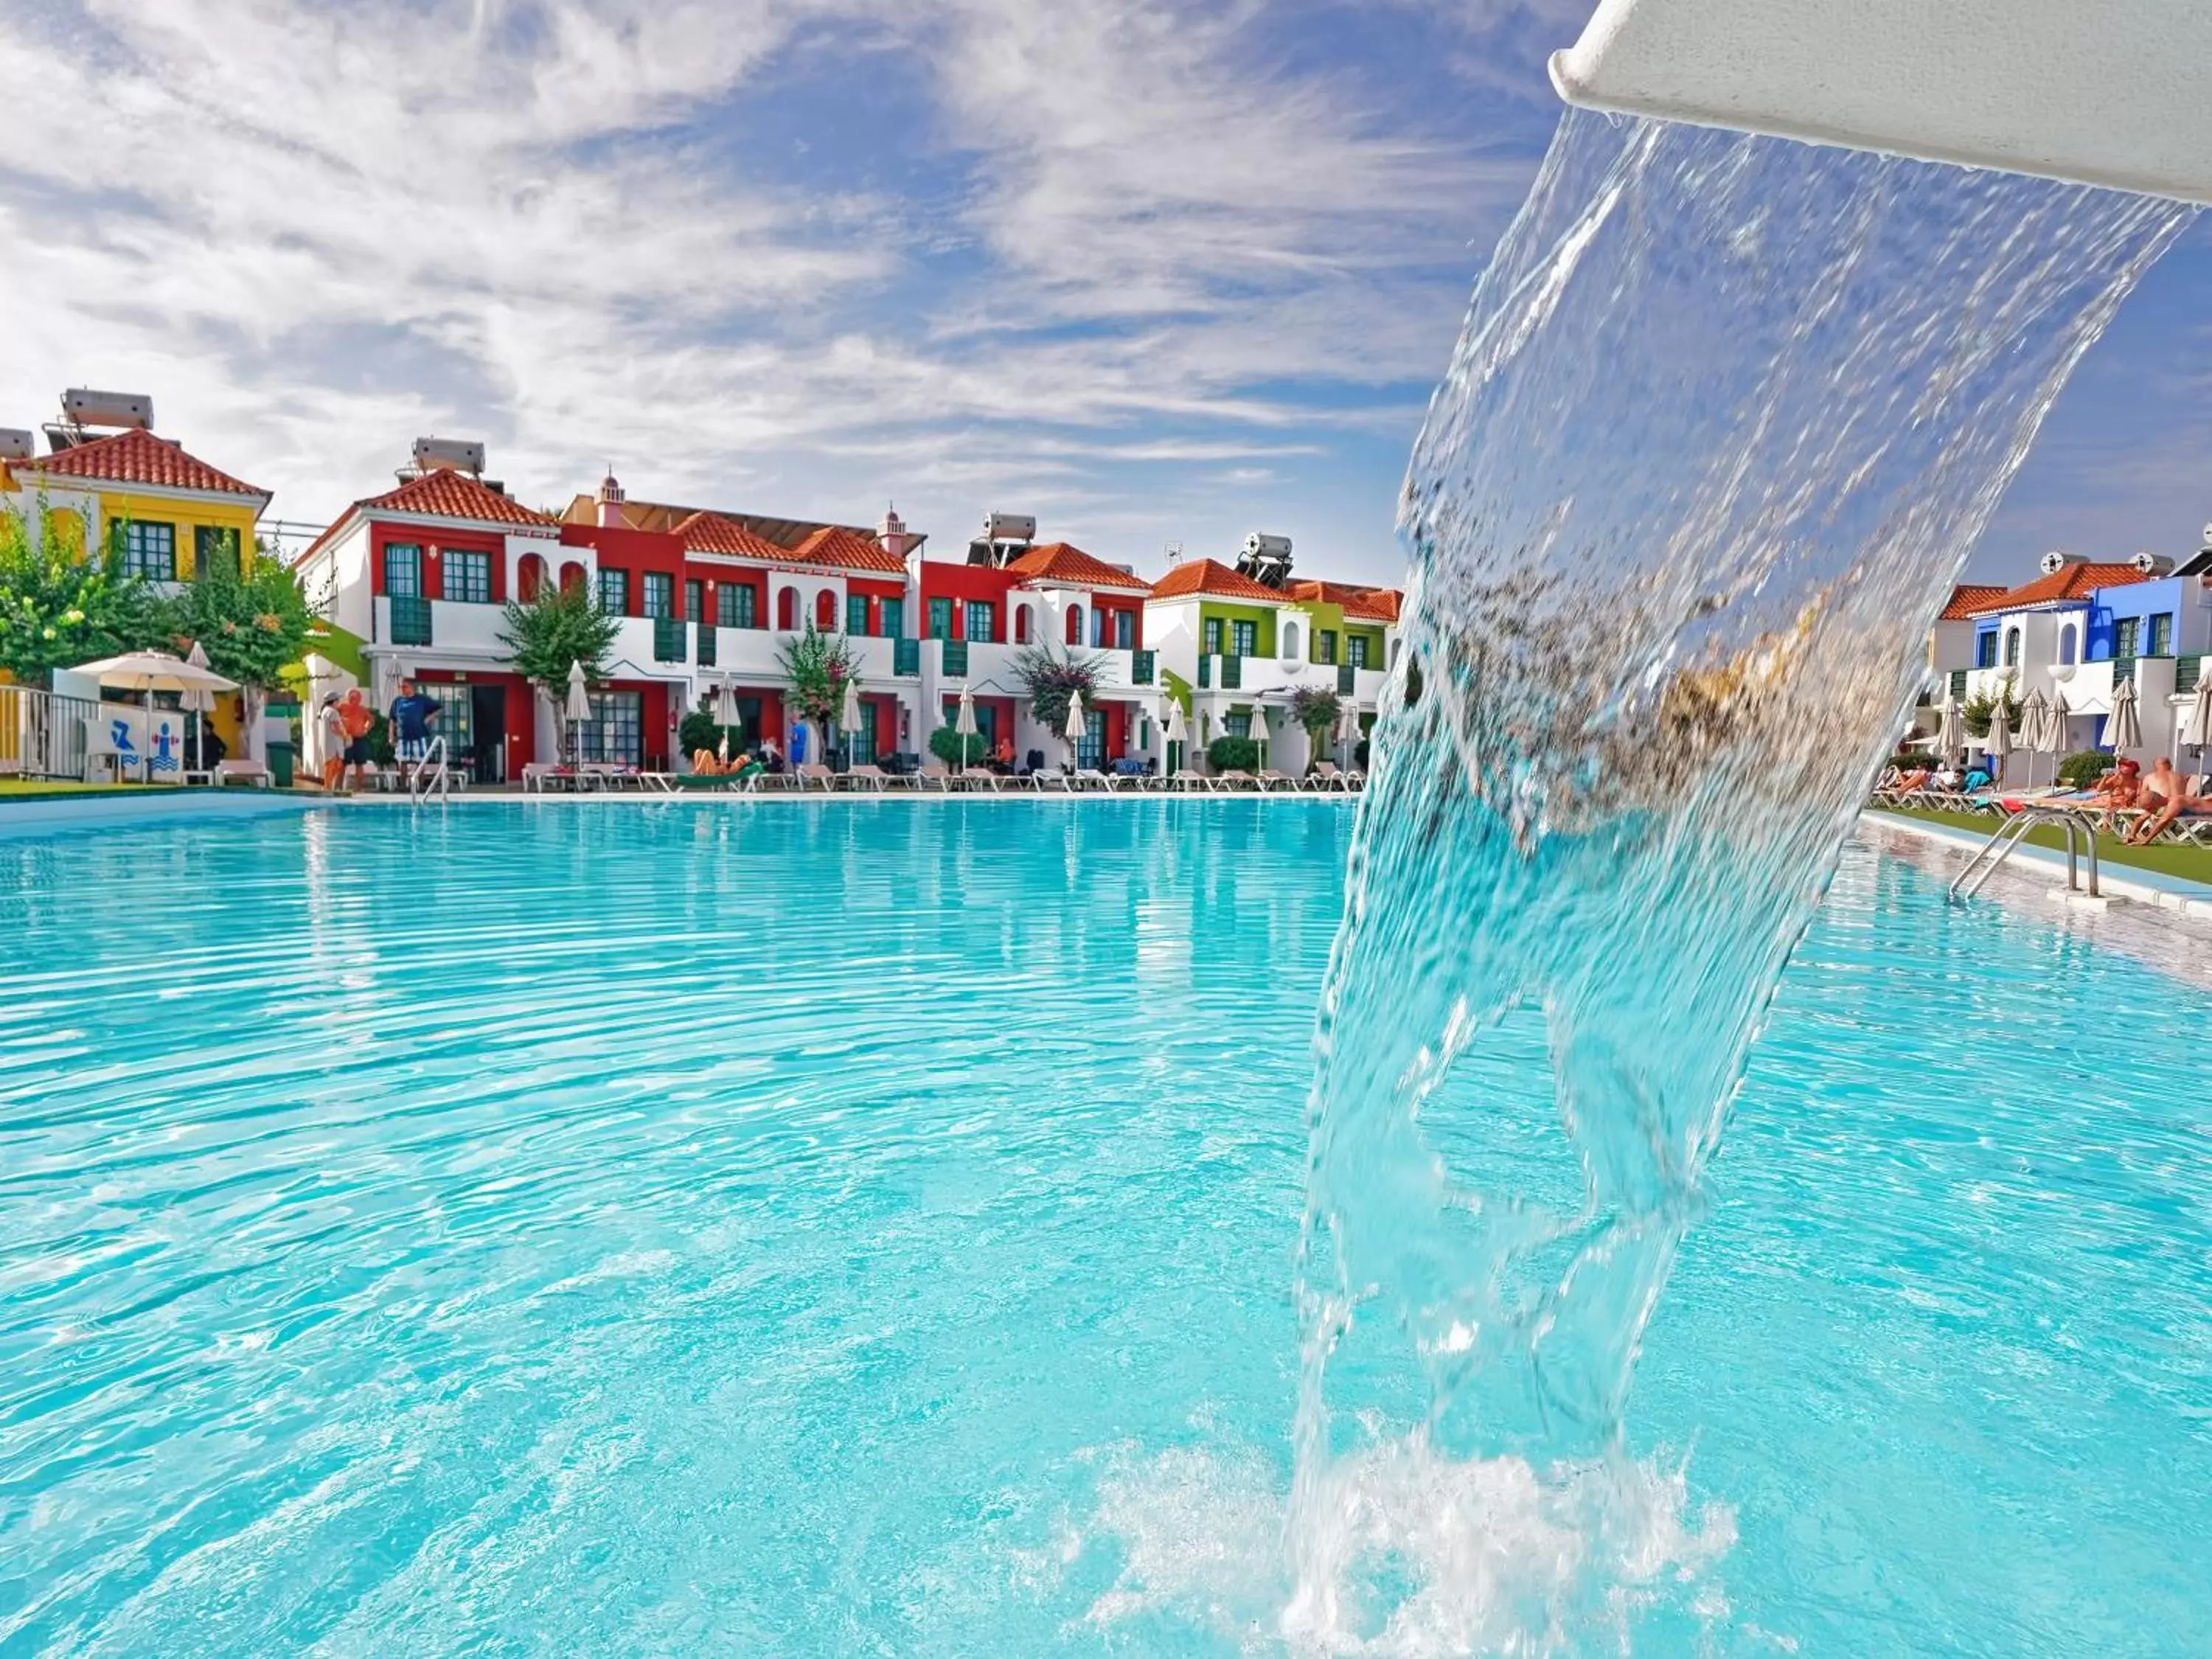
pixel 2141 600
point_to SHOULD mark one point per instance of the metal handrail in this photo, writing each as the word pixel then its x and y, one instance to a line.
pixel 2013 831
pixel 428 771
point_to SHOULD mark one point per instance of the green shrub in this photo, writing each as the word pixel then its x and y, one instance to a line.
pixel 2084 768
pixel 947 745
pixel 1233 755
pixel 1909 759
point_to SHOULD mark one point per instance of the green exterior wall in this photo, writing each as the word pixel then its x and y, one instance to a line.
pixel 1262 617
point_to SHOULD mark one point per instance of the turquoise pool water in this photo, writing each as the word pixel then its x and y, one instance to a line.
pixel 867 1228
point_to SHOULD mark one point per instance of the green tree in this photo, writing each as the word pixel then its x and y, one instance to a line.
pixel 948 746
pixel 547 636
pixel 1316 709
pixel 253 624
pixel 1977 709
pixel 1050 679
pixel 818 666
pixel 58 608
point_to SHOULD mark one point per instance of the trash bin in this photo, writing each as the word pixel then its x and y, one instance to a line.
pixel 277 743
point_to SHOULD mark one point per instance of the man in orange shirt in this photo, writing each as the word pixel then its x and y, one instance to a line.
pixel 354 718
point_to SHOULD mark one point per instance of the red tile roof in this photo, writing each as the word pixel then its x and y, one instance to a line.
pixel 445 494
pixel 1363 604
pixel 1060 561
pixel 1210 577
pixel 712 533
pixel 138 458
pixel 846 549
pixel 1959 607
pixel 2072 581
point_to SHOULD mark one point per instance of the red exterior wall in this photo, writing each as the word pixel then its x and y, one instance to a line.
pixel 943 579
pixel 716 577
pixel 432 544
pixel 635 551
pixel 1112 607
pixel 521 711
pixel 885 711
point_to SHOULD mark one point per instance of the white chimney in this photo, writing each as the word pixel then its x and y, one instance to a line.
pixel 891 532
pixel 610 504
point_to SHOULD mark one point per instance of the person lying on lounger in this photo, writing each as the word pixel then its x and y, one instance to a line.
pixel 2165 797
pixel 1910 782
pixel 2122 786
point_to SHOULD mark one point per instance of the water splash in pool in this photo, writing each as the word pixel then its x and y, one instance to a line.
pixel 1726 417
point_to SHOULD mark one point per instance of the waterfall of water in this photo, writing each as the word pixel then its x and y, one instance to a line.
pixel 1726 417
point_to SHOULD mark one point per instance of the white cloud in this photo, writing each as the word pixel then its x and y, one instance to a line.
pixel 315 231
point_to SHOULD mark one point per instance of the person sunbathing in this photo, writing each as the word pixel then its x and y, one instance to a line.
pixel 704 763
pixel 2121 786
pixel 1910 783
pixel 2165 797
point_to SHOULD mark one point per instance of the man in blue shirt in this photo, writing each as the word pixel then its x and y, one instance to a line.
pixel 412 713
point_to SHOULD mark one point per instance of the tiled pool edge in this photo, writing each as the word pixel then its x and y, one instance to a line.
pixel 121 809
pixel 2191 898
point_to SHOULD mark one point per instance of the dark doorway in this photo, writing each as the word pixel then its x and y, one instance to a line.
pixel 487 722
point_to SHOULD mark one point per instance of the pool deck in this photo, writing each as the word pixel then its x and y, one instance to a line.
pixel 2126 883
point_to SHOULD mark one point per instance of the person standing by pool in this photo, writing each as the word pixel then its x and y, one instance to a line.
pixel 353 717
pixel 412 713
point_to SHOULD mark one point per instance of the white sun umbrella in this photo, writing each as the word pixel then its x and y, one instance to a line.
pixel 578 709
pixel 725 704
pixel 2034 710
pixel 1347 728
pixel 2123 731
pixel 2054 731
pixel 1998 744
pixel 963 719
pixel 849 718
pixel 147 672
pixel 199 702
pixel 1259 730
pixel 1073 729
pixel 2197 725
pixel 1951 731
pixel 1174 732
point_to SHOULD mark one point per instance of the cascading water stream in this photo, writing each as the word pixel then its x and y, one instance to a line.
pixel 1726 417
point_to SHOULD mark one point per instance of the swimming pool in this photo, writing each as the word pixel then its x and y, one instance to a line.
pixel 866 1227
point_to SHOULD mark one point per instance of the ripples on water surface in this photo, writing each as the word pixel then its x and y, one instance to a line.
pixel 867 1228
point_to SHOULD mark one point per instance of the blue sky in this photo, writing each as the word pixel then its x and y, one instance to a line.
pixel 1156 273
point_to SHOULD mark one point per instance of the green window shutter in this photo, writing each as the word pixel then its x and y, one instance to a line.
pixel 856 613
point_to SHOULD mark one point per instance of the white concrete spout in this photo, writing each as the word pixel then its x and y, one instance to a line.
pixel 2115 92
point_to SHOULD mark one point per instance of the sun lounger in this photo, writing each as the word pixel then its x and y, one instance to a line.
pixel 1050 777
pixel 1326 775
pixel 866 777
pixel 251 772
pixel 1271 781
pixel 1187 781
pixel 978 777
pixel 1090 777
pixel 810 772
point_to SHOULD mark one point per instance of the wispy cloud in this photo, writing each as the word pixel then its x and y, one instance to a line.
pixel 1131 243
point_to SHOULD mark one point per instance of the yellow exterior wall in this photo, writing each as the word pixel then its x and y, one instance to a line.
pixel 215 511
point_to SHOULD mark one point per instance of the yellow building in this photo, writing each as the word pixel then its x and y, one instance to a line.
pixel 172 513
pixel 173 508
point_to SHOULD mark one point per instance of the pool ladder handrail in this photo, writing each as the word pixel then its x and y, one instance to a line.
pixel 430 773
pixel 2013 831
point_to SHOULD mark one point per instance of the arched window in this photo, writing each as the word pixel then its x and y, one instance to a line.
pixel 1021 624
pixel 1290 642
pixel 2012 647
pixel 787 609
pixel 825 611
pixel 572 577
pixel 2066 646
pixel 529 577
pixel 1075 624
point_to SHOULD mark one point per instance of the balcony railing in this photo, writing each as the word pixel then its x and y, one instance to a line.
pixel 410 620
pixel 2187 670
pixel 955 659
pixel 1347 680
pixel 2124 668
pixel 1142 666
pixel 668 641
pixel 906 657
pixel 1959 684
pixel 706 655
pixel 1232 673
